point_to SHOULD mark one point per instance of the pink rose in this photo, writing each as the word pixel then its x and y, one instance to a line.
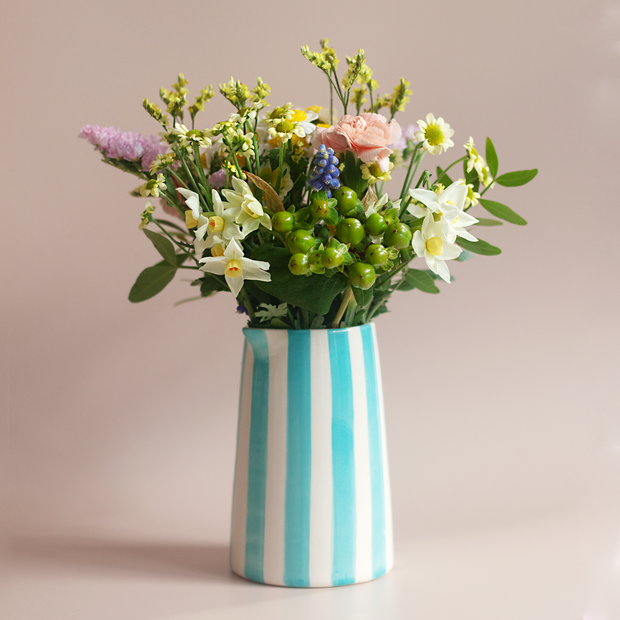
pixel 367 135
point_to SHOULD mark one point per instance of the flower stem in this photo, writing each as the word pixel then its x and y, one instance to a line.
pixel 280 166
pixel 175 241
pixel 343 306
pixel 450 166
pixel 409 176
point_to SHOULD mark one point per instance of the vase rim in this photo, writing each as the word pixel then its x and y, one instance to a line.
pixel 330 329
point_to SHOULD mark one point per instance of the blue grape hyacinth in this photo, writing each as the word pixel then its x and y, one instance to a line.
pixel 325 172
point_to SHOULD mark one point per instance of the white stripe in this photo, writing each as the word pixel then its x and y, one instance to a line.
pixel 273 566
pixel 240 495
pixel 363 496
pixel 321 486
pixel 389 536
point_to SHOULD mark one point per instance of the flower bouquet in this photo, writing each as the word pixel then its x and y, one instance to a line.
pixel 290 209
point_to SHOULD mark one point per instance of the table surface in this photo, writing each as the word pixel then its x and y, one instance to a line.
pixel 544 569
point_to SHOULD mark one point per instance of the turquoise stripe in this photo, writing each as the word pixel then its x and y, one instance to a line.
pixel 257 466
pixel 376 456
pixel 343 458
pixel 298 462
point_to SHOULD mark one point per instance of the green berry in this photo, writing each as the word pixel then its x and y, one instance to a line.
pixel 362 275
pixel 319 208
pixel 283 221
pixel 390 216
pixel 347 199
pixel 315 261
pixel 332 258
pixel 300 241
pixel 350 231
pixel 298 264
pixel 397 235
pixel 376 255
pixel 375 225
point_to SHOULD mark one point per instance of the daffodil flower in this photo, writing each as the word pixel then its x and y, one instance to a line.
pixel 449 205
pixel 236 268
pixel 193 216
pixel 248 211
pixel 432 244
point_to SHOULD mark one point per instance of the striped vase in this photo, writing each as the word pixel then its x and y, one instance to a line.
pixel 311 501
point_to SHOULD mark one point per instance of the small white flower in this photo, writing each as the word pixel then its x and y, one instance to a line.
pixel 222 224
pixel 434 134
pixel 271 312
pixel 193 216
pixel 236 268
pixel 190 137
pixel 431 244
pixel 449 204
pixel 248 211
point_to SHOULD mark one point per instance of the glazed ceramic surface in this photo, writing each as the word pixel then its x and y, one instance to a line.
pixel 311 503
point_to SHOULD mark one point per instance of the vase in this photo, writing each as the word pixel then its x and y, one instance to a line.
pixel 311 499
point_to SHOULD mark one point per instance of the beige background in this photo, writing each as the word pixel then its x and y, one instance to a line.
pixel 501 405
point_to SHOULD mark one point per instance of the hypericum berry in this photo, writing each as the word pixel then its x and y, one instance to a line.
pixel 315 261
pixel 362 275
pixel 376 255
pixel 350 231
pixel 347 200
pixel 283 221
pixel 390 216
pixel 318 206
pixel 397 235
pixel 298 264
pixel 325 172
pixel 300 241
pixel 375 225
pixel 332 257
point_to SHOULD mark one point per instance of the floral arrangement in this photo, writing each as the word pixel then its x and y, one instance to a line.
pixel 287 207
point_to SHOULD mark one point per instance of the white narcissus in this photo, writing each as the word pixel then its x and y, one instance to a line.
pixel 449 204
pixel 236 268
pixel 222 224
pixel 248 211
pixel 432 244
pixel 194 216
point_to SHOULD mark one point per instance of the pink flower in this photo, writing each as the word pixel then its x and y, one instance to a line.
pixel 117 144
pixel 366 135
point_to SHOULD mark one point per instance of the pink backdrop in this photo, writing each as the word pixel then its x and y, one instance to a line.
pixel 500 392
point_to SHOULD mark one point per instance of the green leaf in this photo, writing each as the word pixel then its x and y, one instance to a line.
pixel 211 285
pixel 415 278
pixel 332 217
pixel 483 221
pixel 443 178
pixel 491 156
pixel 162 245
pixel 514 179
pixel 315 293
pixel 352 174
pixel 362 297
pixel 478 247
pixel 502 211
pixel 151 281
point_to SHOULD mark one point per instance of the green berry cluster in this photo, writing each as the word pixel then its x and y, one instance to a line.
pixel 334 234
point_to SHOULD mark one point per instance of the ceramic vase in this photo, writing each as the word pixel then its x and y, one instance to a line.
pixel 311 500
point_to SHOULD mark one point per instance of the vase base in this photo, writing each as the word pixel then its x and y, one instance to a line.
pixel 319 583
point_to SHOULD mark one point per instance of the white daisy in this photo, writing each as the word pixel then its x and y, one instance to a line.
pixel 434 134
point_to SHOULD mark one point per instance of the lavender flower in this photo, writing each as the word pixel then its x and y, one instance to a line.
pixel 130 146
pixel 325 173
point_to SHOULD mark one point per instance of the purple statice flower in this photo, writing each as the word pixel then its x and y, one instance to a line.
pixel 407 134
pixel 127 145
pixel 325 172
